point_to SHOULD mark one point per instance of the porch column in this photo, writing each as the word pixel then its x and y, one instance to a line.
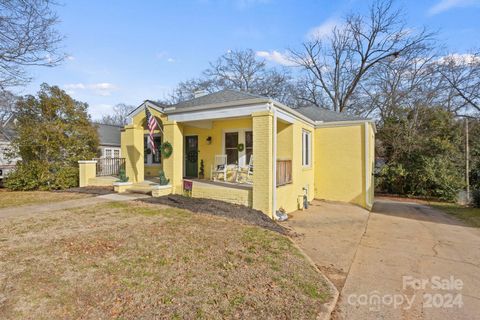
pixel 173 166
pixel 132 150
pixel 263 161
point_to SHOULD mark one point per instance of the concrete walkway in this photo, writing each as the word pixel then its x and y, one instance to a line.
pixel 404 250
pixel 68 204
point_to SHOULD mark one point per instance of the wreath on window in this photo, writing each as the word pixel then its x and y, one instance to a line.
pixel 240 147
pixel 166 149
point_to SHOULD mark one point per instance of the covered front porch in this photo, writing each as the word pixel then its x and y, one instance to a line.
pixel 246 139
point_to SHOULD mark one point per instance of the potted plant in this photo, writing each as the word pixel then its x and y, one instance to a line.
pixel 201 174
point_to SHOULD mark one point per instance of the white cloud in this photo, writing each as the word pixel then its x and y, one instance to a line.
pixel 171 60
pixel 324 30
pixel 277 57
pixel 101 88
pixel 445 5
pixel 459 59
pixel 70 58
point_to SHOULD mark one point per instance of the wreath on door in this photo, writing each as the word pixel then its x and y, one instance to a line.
pixel 240 147
pixel 166 149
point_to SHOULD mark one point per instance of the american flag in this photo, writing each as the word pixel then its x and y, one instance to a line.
pixel 152 125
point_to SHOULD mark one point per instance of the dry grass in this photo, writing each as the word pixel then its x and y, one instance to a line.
pixel 134 260
pixel 471 216
pixel 20 198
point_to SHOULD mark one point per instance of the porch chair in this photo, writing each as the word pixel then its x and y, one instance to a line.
pixel 219 166
pixel 248 170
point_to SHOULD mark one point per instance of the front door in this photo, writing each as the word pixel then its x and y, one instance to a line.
pixel 191 156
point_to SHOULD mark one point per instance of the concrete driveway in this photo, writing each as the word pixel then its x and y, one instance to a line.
pixel 402 261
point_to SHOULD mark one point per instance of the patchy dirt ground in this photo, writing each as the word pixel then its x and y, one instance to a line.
pixel 219 208
pixel 21 198
pixel 90 190
pixel 135 260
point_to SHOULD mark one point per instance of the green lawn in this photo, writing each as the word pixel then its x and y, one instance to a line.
pixel 140 261
pixel 470 216
pixel 21 198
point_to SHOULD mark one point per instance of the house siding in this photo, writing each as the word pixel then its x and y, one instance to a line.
pixel 340 168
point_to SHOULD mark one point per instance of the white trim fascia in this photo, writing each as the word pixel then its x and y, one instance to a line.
pixel 284 116
pixel 217 113
pixel 293 112
pixel 140 108
pixel 87 161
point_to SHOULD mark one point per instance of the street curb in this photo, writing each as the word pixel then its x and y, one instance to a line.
pixel 330 305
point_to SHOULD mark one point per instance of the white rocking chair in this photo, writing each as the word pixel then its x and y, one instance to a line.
pixel 248 170
pixel 219 167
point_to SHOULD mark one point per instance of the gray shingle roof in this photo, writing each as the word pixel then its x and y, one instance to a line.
pixel 109 135
pixel 222 96
pixel 319 114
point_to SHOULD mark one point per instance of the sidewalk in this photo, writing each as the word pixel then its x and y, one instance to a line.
pixel 68 204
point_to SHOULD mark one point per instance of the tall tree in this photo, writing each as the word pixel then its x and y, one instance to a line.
pixel 338 64
pixel 119 117
pixel 54 131
pixel 27 38
pixel 462 74
pixel 240 70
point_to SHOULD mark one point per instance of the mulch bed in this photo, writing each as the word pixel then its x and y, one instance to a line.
pixel 90 190
pixel 219 208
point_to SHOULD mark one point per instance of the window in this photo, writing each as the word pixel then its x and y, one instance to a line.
pixel 116 153
pixel 248 145
pixel 231 147
pixel 306 148
pixel 108 153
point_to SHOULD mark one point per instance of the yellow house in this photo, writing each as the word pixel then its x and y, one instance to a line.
pixel 252 150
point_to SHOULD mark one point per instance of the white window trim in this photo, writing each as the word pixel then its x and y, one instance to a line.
pixel 242 155
pixel 112 150
pixel 306 158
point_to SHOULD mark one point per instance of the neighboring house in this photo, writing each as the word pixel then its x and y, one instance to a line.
pixel 7 132
pixel 109 140
pixel 296 153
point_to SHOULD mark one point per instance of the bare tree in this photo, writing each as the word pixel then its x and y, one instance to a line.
pixel 27 38
pixel 337 65
pixel 462 74
pixel 240 70
pixel 119 117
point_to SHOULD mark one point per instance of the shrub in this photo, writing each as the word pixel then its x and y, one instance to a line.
pixel 37 175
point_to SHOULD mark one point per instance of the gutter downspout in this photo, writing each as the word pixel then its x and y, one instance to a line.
pixel 367 167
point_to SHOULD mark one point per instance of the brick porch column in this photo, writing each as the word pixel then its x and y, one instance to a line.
pixel 262 161
pixel 132 151
pixel 173 166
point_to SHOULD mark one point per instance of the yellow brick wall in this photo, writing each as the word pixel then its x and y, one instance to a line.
pixel 262 156
pixel 231 195
pixel 163 191
pixel 289 146
pixel 87 171
pixel 340 163
pixel 152 170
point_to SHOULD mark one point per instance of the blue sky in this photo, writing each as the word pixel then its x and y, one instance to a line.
pixel 129 51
